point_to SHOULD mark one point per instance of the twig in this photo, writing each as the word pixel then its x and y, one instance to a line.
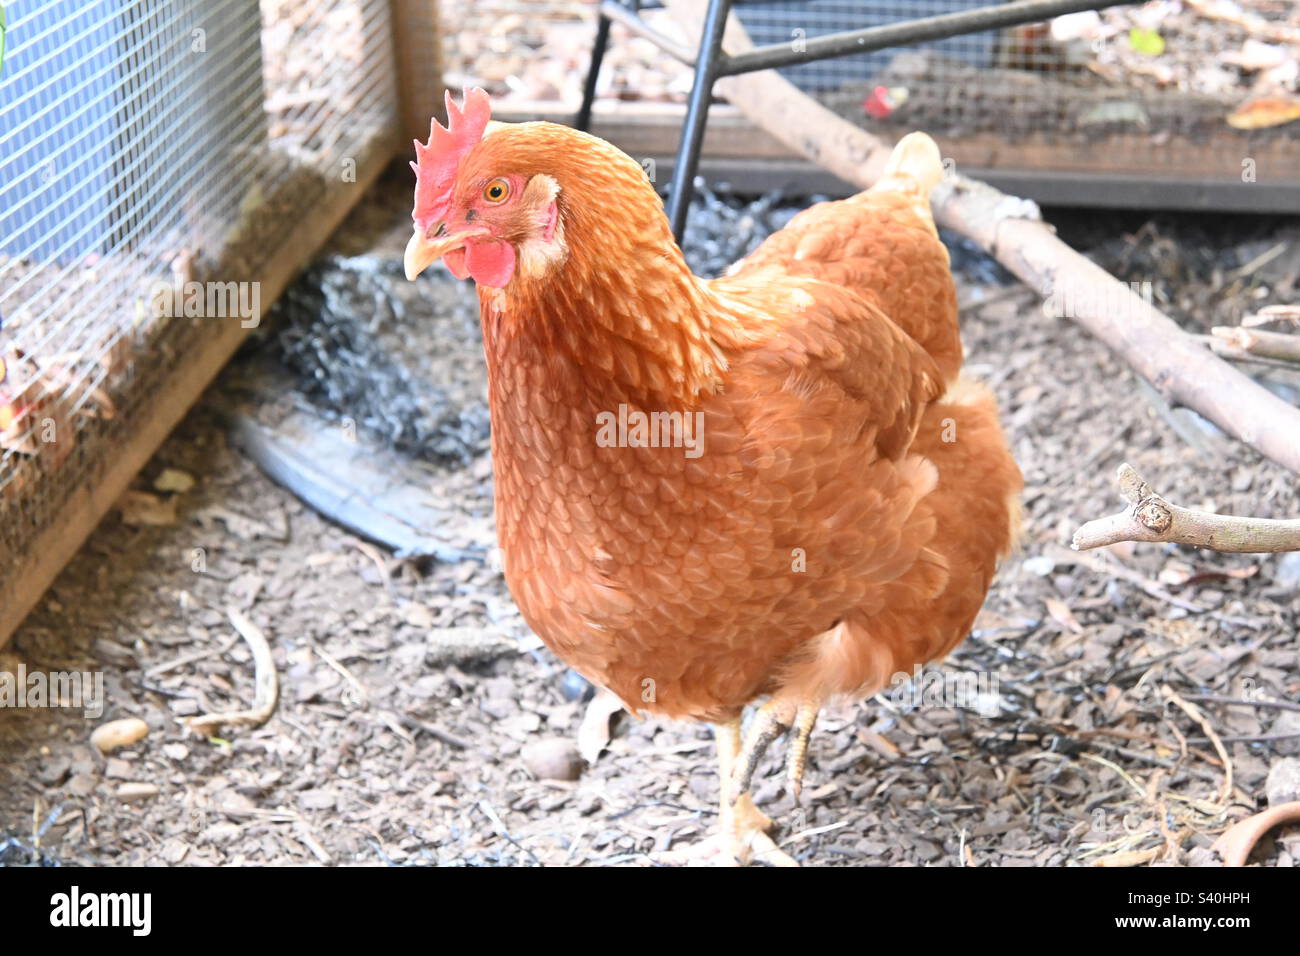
pixel 1273 313
pixel 450 739
pixel 1243 702
pixel 265 680
pixel 363 695
pixel 1250 738
pixel 1126 858
pixel 1194 712
pixel 1274 345
pixel 1252 23
pixel 1150 518
pixel 1231 353
pixel 1235 843
pixel 500 827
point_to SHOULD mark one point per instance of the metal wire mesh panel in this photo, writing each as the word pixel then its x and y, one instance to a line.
pixel 154 154
pixel 1197 91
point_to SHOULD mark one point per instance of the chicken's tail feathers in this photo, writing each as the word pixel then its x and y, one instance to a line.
pixel 914 168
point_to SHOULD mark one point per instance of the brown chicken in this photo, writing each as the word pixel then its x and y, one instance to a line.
pixel 772 484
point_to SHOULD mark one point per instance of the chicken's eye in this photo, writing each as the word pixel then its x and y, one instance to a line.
pixel 496 191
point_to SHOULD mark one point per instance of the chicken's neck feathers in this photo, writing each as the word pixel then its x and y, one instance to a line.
pixel 631 322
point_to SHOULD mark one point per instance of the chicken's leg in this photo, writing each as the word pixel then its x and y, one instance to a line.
pixel 797 754
pixel 775 718
pixel 742 827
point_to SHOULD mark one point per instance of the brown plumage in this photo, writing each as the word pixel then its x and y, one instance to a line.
pixel 842 516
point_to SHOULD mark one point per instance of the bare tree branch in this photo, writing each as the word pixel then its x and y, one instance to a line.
pixel 1150 517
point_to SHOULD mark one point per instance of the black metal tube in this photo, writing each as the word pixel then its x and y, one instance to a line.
pixel 583 119
pixel 904 34
pixel 697 112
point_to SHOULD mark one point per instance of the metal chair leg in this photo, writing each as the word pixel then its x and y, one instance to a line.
pixel 583 120
pixel 697 113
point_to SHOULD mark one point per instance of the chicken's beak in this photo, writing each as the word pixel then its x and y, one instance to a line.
pixel 422 252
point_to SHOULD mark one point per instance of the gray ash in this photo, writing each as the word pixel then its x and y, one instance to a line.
pixel 402 359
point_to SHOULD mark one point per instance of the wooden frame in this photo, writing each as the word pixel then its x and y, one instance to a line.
pixel 417 53
pixel 417 42
pixel 1119 171
pixel 56 544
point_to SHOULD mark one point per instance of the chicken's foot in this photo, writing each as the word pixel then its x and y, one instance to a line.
pixel 742 828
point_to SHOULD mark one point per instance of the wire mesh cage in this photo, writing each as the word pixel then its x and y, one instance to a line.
pixel 1155 86
pixel 157 159
pixel 1153 92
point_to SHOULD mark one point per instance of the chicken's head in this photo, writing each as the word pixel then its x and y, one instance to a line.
pixel 483 214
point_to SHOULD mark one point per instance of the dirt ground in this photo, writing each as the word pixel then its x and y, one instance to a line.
pixel 411 691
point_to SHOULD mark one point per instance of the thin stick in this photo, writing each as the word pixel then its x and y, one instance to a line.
pixel 1273 313
pixel 1150 518
pixel 1230 353
pixel 1194 712
pixel 1275 345
pixel 265 680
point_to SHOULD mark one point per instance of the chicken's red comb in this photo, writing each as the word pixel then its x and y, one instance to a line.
pixel 438 160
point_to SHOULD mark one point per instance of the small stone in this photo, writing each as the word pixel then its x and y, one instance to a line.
pixel 499 708
pixel 553 759
pixel 1283 784
pixel 1288 570
pixel 1287 722
pixel 318 800
pixel 135 792
pixel 173 480
pixel 1040 566
pixel 220 834
pixel 118 733
pixel 417 615
pixel 81 785
pixel 115 769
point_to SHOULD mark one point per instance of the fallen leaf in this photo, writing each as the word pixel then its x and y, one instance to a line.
pixel 140 509
pixel 1256 55
pixel 1147 42
pixel 1265 113
pixel 1063 616
pixel 173 480
pixel 594 733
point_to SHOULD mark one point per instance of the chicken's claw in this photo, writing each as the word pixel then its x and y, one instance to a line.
pixel 797 756
pixel 740 839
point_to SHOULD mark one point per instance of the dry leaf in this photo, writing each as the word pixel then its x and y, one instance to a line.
pixel 140 509
pixel 1265 113
pixel 594 733
pixel 173 480
pixel 1063 616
